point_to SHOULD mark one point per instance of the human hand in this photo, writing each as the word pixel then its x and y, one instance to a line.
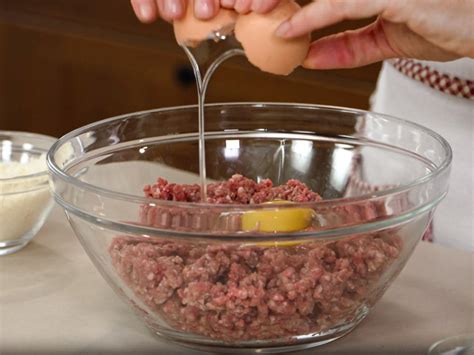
pixel 149 10
pixel 437 30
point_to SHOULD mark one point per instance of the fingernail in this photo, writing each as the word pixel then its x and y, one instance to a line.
pixel 146 12
pixel 257 5
pixel 173 8
pixel 282 30
pixel 204 9
pixel 240 6
pixel 228 3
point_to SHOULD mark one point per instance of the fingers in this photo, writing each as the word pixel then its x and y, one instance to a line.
pixel 162 11
pixel 149 10
pixel 172 9
pixel 245 6
pixel 206 9
pixel 263 6
pixel 242 6
pixel 228 4
pixel 146 10
pixel 350 49
pixel 322 13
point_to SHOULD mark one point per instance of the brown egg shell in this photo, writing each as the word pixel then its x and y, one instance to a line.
pixel 269 53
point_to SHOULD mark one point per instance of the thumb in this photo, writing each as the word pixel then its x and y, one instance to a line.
pixel 351 49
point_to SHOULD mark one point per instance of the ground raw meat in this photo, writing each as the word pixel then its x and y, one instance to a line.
pixel 251 292
pixel 236 190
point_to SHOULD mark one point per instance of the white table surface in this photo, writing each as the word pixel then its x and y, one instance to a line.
pixel 52 300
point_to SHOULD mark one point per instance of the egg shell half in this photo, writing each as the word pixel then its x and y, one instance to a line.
pixel 191 31
pixel 269 53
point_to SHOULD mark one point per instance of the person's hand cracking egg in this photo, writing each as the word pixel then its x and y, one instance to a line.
pixel 254 23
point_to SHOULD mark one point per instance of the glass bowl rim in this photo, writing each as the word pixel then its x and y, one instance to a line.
pixel 58 172
pixel 43 137
pixel 461 339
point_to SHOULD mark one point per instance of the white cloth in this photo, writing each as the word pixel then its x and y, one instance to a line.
pixel 453 118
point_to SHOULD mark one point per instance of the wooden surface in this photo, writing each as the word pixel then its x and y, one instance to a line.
pixel 53 301
pixel 66 63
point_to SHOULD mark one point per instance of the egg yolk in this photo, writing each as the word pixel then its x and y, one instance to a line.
pixel 278 219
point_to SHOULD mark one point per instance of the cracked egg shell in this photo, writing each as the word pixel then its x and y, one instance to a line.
pixel 266 51
pixel 191 31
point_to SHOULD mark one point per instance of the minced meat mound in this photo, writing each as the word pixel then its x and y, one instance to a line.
pixel 236 190
pixel 251 292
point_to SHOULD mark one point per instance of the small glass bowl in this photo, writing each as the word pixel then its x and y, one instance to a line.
pixel 25 199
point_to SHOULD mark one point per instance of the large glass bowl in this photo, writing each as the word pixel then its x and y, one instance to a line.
pixel 195 275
